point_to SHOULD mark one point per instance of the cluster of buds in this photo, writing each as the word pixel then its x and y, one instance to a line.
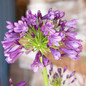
pixel 58 78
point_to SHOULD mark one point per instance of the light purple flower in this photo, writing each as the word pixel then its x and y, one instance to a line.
pixel 9 36
pixel 56 54
pixel 13 53
pixel 39 15
pixel 53 14
pixel 75 45
pixel 48 28
pixel 10 25
pixel 30 19
pixel 72 24
pixel 45 61
pixel 50 15
pixel 20 27
pixel 37 63
pixel 54 39
pixel 7 44
pixel 71 34
pixel 71 53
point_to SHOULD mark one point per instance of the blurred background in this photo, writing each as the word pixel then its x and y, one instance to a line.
pixel 12 10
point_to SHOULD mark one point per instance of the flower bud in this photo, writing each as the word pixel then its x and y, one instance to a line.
pixel 33 35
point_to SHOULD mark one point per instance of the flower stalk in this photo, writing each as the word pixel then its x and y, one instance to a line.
pixel 45 77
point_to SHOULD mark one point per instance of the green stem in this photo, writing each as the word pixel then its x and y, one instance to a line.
pixel 45 75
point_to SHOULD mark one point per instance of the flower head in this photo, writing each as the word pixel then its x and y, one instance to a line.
pixel 42 33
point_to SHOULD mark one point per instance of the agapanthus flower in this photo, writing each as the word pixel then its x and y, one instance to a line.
pixel 48 28
pixel 60 78
pixel 53 14
pixel 10 25
pixel 48 33
pixel 30 18
pixel 20 27
pixel 23 83
pixel 37 63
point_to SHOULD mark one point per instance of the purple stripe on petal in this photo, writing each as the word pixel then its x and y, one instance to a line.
pixel 56 54
pixel 23 83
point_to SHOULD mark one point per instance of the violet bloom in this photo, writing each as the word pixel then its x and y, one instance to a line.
pixel 45 61
pixel 23 83
pixel 53 14
pixel 75 45
pixel 50 15
pixel 71 53
pixel 13 53
pixel 30 19
pixel 47 33
pixel 56 54
pixel 48 28
pixel 37 63
pixel 20 27
pixel 7 44
pixel 71 34
pixel 54 39
pixel 72 24
pixel 10 25
pixel 39 15
pixel 11 36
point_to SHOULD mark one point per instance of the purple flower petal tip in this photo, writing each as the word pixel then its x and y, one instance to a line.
pixel 23 83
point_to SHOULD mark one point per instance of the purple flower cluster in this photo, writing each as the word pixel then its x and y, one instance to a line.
pixel 59 79
pixel 42 33
pixel 23 83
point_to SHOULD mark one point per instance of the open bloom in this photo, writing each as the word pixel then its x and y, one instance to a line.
pixel 54 39
pixel 37 63
pixel 40 33
pixel 20 27
pixel 48 28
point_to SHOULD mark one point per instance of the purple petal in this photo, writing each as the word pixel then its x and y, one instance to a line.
pixel 72 74
pixel 65 68
pixel 71 53
pixel 10 82
pixel 23 83
pixel 45 61
pixel 56 54
pixel 73 80
pixel 7 44
pixel 33 35
pixel 12 60
pixel 72 24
